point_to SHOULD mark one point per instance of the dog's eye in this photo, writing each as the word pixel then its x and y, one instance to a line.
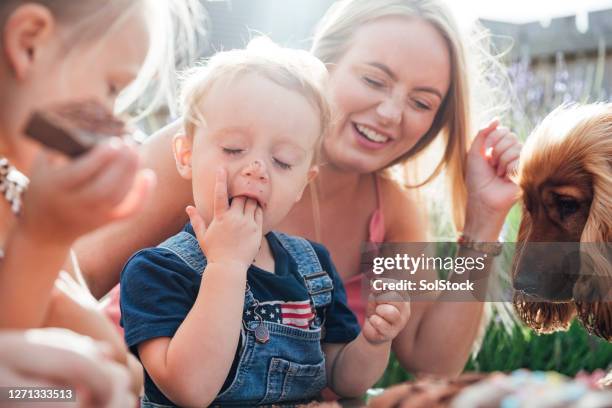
pixel 567 207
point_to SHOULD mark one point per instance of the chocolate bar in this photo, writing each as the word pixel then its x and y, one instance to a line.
pixel 73 128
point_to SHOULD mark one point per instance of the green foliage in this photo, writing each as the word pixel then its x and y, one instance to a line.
pixel 565 352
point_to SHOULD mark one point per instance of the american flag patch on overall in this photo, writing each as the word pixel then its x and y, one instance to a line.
pixel 297 314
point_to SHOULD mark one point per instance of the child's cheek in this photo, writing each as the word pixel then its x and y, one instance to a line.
pixel 203 194
pixel 280 205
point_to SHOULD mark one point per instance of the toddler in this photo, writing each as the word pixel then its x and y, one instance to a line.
pixel 229 311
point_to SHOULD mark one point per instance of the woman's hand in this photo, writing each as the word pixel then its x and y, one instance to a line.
pixel 235 233
pixel 68 198
pixel 63 359
pixel 492 160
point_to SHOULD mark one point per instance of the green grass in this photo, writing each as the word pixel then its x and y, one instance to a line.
pixel 565 352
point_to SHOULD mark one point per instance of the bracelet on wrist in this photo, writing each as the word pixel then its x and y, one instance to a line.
pixel 488 248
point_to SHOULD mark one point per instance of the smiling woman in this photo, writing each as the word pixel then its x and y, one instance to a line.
pixel 396 81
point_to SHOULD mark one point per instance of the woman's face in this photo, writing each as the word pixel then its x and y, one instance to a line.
pixel 387 88
pixel 53 73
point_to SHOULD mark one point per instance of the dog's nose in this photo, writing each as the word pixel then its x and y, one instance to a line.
pixel 544 287
pixel 524 283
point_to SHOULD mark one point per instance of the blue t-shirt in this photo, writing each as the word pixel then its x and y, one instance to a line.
pixel 158 290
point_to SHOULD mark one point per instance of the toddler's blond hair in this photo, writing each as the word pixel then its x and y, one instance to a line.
pixel 295 70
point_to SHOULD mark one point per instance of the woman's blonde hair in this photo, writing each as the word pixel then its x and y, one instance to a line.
pixel 173 27
pixel 296 70
pixel 453 121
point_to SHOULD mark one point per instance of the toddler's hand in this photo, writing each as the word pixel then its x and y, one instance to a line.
pixel 69 198
pixel 386 315
pixel 235 233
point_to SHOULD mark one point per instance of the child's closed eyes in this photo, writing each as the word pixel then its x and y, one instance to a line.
pixel 278 162
pixel 285 158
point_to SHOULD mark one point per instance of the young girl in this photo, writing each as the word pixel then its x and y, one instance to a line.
pixel 52 52
pixel 229 311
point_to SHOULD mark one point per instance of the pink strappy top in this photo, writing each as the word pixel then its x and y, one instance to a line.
pixel 376 234
pixel 112 309
pixel 352 285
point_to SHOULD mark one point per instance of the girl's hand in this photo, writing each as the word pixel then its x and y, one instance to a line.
pixel 386 316
pixel 72 307
pixel 69 198
pixel 492 160
pixel 61 358
pixel 235 233
pixel 76 291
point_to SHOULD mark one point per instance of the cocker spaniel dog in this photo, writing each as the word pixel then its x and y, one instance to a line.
pixel 562 265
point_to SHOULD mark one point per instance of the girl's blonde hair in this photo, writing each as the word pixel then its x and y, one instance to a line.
pixel 453 121
pixel 296 70
pixel 173 26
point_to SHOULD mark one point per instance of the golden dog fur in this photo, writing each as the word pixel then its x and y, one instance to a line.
pixel 565 176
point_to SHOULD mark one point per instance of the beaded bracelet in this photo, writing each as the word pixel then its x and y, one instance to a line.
pixel 489 248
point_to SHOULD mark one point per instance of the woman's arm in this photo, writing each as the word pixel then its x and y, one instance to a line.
pixel 442 333
pixel 441 338
pixel 103 253
pixel 439 335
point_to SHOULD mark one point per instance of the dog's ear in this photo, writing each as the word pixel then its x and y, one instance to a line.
pixel 598 227
pixel 593 291
pixel 525 226
pixel 596 317
pixel 593 294
pixel 521 240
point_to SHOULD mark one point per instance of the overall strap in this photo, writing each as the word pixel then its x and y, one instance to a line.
pixel 186 247
pixel 317 281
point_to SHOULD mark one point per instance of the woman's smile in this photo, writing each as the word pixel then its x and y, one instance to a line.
pixel 370 138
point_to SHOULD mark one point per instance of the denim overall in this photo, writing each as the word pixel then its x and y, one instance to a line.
pixel 290 367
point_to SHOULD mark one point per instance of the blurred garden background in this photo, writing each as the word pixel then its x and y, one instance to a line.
pixel 551 53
